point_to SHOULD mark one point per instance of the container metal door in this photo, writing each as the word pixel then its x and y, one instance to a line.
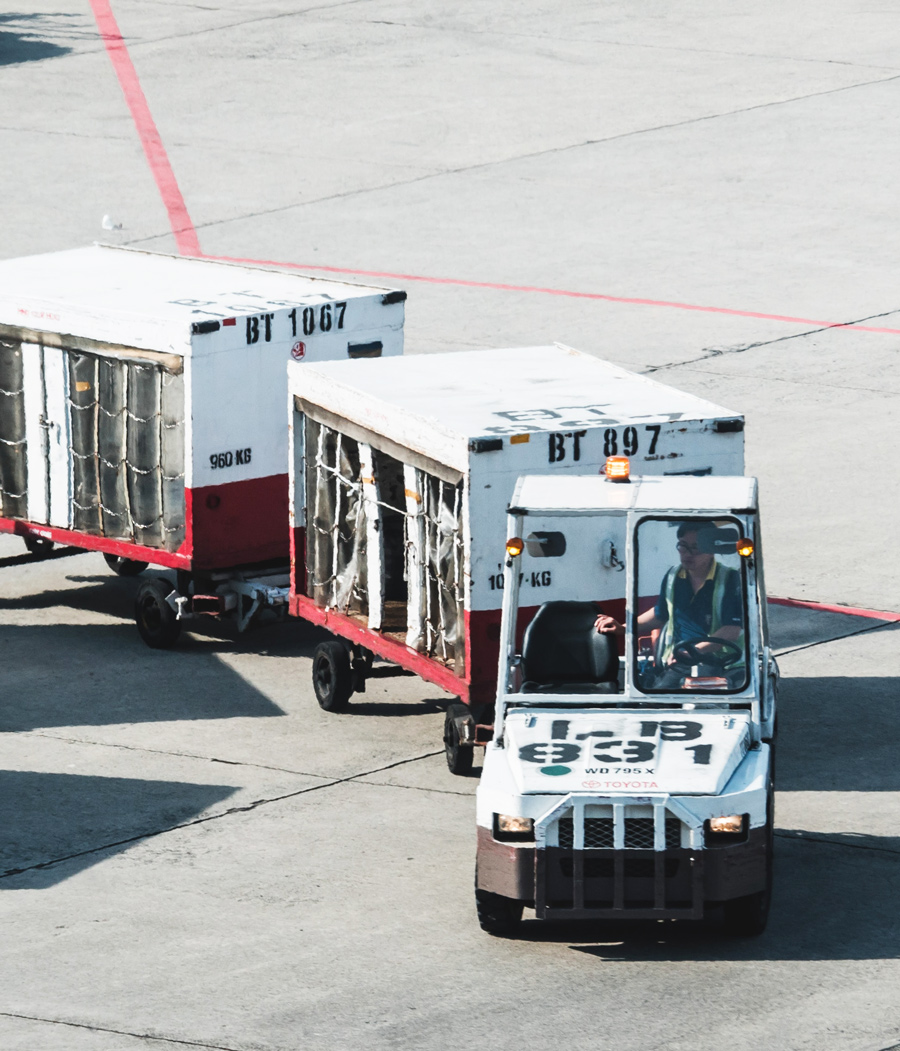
pixel 46 395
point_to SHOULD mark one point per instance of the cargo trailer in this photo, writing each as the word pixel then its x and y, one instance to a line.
pixel 142 402
pixel 401 473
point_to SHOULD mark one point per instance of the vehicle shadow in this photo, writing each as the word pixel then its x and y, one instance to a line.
pixel 838 734
pixel 56 825
pixel 834 899
pixel 94 675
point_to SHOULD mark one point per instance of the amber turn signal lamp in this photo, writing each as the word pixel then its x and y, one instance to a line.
pixel 745 548
pixel 515 546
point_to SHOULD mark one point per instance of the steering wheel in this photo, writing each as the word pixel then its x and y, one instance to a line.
pixel 687 653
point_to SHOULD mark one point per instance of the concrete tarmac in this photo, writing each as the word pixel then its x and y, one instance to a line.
pixel 192 852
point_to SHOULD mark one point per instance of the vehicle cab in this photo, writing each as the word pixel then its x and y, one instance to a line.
pixel 630 773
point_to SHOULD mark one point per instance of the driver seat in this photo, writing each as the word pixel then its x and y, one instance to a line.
pixel 563 652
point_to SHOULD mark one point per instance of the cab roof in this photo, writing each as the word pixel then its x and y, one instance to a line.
pixel 591 494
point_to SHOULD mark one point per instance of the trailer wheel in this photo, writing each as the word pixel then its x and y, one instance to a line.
pixel 155 618
pixel 459 756
pixel 498 915
pixel 332 676
pixel 124 567
pixel 38 546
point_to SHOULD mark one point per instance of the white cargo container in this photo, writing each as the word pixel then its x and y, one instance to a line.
pixel 402 471
pixel 142 399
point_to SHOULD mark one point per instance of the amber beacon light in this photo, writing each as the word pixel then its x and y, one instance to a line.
pixel 515 546
pixel 617 468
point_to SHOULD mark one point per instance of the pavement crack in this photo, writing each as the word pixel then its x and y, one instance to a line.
pixel 179 755
pixel 824 642
pixel 717 352
pixel 414 788
pixel 119 1032
pixel 805 837
pixel 255 805
pixel 535 155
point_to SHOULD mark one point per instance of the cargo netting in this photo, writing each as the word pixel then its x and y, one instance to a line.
pixel 384 540
pixel 123 444
pixel 127 450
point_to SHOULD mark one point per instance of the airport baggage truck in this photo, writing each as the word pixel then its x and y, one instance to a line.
pixel 632 782
pixel 142 405
pixel 401 471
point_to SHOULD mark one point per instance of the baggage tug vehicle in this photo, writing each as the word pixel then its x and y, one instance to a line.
pixel 630 772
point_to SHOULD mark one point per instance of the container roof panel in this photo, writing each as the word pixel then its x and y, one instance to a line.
pixel 474 394
pixel 147 290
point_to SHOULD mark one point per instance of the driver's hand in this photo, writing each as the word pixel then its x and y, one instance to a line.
pixel 607 625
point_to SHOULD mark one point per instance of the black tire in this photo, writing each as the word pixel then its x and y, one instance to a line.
pixel 155 618
pixel 498 915
pixel 459 756
pixel 332 676
pixel 124 567
pixel 38 546
pixel 747 917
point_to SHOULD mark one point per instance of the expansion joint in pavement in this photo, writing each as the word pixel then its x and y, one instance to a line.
pixel 118 1032
pixel 255 805
pixel 837 638
pixel 804 837
pixel 710 353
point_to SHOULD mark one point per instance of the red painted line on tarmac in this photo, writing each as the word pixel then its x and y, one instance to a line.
pixel 497 286
pixel 179 219
pixel 824 607
pixel 189 244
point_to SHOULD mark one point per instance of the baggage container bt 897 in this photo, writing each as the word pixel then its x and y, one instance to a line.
pixel 401 473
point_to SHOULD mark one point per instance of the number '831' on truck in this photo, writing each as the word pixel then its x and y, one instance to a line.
pixel 630 773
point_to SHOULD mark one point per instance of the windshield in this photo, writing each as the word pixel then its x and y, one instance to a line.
pixel 690 606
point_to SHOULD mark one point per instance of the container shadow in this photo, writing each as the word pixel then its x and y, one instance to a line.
pixel 26 42
pixel 28 559
pixel 95 675
pixel 57 825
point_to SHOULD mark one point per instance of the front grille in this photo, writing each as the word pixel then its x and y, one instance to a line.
pixel 599 833
pixel 604 868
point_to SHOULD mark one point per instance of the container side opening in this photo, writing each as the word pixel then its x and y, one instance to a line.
pixel 13 452
pixel 111 433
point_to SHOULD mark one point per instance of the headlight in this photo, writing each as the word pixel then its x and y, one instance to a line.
pixel 507 827
pixel 727 830
pixel 505 823
pixel 732 823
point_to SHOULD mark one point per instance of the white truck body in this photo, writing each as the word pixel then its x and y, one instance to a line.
pixel 438 441
pixel 618 782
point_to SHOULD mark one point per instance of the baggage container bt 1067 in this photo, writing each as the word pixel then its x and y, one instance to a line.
pixel 142 399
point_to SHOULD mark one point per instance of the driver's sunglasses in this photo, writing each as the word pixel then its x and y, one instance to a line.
pixel 687 549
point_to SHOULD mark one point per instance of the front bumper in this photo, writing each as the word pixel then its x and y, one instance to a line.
pixel 605 883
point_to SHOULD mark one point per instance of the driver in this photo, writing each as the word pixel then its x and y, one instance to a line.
pixel 698 598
